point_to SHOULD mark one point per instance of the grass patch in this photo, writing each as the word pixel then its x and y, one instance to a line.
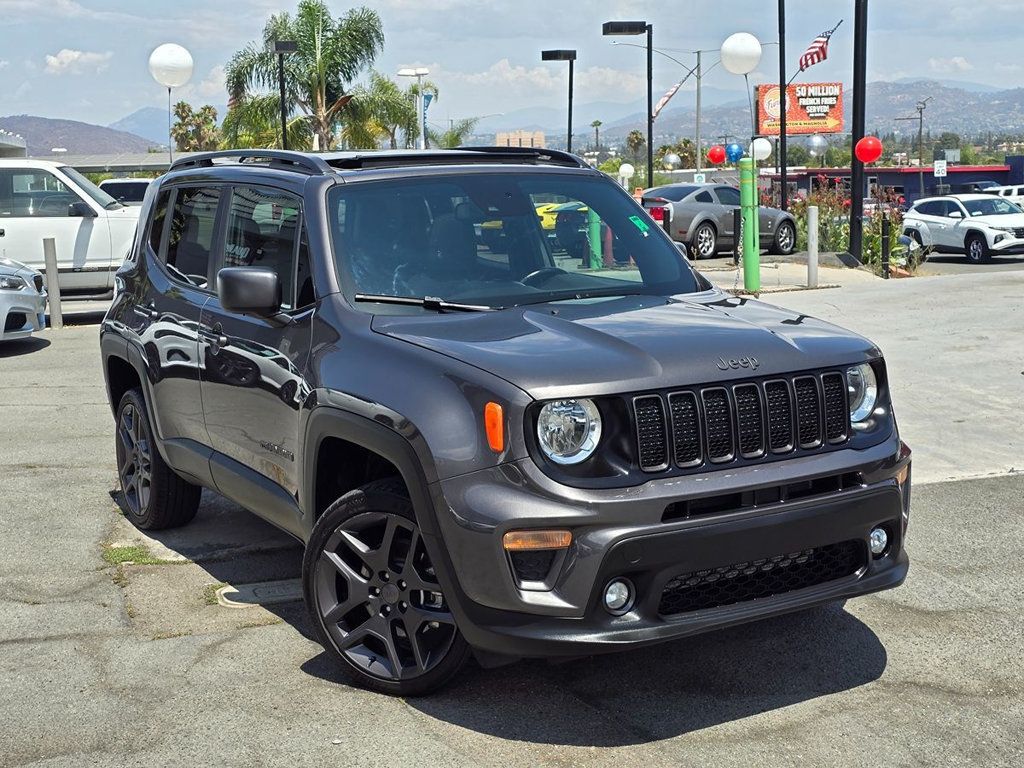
pixel 210 592
pixel 131 554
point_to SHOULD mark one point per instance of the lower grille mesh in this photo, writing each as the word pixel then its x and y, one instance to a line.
pixel 756 579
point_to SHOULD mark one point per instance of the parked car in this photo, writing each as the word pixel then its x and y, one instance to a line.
pixel 971 187
pixel 126 191
pixel 485 452
pixel 91 230
pixel 702 217
pixel 1014 193
pixel 978 225
pixel 22 300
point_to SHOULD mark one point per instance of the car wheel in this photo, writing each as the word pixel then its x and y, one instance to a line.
pixel 785 239
pixel 705 242
pixel 373 596
pixel 154 496
pixel 976 248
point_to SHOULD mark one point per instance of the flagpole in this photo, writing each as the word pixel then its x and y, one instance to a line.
pixel 784 176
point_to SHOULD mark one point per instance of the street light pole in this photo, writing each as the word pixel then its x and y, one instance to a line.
pixel 860 55
pixel 784 177
pixel 281 48
pixel 570 56
pixel 419 73
pixel 696 139
pixel 921 105
pixel 640 28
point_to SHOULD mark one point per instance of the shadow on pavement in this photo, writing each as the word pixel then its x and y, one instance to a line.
pixel 959 258
pixel 19 347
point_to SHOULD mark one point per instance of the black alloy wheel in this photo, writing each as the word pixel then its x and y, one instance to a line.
pixel 374 596
pixel 134 459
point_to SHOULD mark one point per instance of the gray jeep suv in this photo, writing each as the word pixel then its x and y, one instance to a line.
pixel 521 449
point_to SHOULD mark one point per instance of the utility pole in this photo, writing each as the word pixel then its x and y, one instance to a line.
pixel 696 138
pixel 921 105
pixel 784 192
pixel 860 55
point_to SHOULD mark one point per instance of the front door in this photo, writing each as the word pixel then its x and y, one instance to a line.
pixel 253 374
pixel 35 204
pixel 729 201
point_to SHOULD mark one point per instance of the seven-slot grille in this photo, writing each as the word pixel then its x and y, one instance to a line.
pixel 747 420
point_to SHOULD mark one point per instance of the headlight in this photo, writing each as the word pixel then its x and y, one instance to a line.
pixel 863 388
pixel 11 283
pixel 569 430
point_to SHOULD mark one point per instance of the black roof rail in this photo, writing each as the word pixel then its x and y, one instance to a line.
pixel 458 156
pixel 290 161
pixel 554 156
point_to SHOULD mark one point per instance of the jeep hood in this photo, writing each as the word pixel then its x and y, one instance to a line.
pixel 631 343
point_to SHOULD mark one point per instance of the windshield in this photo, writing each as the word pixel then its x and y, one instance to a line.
pixel 500 240
pixel 990 206
pixel 126 191
pixel 97 194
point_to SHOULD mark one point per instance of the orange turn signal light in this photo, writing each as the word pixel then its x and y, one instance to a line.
pixel 901 476
pixel 494 424
pixel 521 541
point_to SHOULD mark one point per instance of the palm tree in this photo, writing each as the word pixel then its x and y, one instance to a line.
pixel 194 130
pixel 634 143
pixel 456 135
pixel 331 54
pixel 596 125
pixel 255 122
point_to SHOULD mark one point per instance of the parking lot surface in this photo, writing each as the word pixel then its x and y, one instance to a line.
pixel 113 663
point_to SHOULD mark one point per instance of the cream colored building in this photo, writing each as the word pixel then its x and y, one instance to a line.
pixel 521 139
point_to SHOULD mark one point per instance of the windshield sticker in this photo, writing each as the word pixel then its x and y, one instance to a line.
pixel 642 225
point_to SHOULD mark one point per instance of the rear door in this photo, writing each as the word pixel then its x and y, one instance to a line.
pixel 34 204
pixel 253 372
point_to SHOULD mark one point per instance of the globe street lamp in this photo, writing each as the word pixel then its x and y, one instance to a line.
pixel 570 56
pixel 639 28
pixel 171 66
pixel 419 73
pixel 281 48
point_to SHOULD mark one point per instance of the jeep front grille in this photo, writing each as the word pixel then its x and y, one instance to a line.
pixel 746 421
pixel 761 578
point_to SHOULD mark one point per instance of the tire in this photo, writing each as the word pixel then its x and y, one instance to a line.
pixel 154 496
pixel 785 239
pixel 369 587
pixel 705 242
pixel 976 248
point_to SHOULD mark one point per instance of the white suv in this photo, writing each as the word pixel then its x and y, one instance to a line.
pixel 977 225
pixel 92 231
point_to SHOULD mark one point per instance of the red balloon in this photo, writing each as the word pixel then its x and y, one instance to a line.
pixel 717 154
pixel 868 149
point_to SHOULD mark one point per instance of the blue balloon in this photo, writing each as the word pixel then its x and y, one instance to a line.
pixel 734 152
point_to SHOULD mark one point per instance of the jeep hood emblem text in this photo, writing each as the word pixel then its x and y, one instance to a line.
pixel 736 363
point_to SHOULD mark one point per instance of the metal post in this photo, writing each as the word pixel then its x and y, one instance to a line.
pixel 784 195
pixel 886 227
pixel 812 246
pixel 650 105
pixel 53 282
pixel 170 140
pixel 860 48
pixel 568 142
pixel 595 261
pixel 737 235
pixel 751 254
pixel 284 110
pixel 920 148
pixel 696 138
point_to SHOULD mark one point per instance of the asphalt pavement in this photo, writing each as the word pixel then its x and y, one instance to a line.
pixel 137 664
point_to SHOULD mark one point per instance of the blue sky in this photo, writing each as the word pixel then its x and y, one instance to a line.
pixel 86 59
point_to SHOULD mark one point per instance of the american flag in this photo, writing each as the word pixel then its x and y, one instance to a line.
pixel 817 51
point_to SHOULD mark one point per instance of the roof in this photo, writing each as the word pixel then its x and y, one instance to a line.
pixel 963 196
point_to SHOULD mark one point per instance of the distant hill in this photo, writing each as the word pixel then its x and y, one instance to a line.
pixel 149 122
pixel 42 134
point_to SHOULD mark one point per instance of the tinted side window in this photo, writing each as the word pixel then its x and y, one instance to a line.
pixel 728 195
pixel 263 231
pixel 193 226
pixel 704 197
pixel 157 222
pixel 928 209
pixel 34 193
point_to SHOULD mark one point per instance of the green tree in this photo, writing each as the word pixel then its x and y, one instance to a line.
pixel 256 122
pixel 456 135
pixel 797 154
pixel 194 130
pixel 331 54
pixel 635 143
pixel 596 125
pixel 380 112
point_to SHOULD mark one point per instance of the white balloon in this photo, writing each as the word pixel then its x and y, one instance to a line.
pixel 626 171
pixel 760 148
pixel 817 141
pixel 170 65
pixel 741 53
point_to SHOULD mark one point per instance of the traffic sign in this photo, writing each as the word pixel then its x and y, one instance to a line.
pixel 699 178
pixel 940 169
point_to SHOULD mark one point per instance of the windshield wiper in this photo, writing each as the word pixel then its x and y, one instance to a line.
pixel 577 295
pixel 427 302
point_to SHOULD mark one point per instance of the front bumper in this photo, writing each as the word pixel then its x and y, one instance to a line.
pixel 621 534
pixel 1005 242
pixel 21 313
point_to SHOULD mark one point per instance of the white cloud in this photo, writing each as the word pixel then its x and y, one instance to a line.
pixel 70 61
pixel 535 83
pixel 953 64
pixel 210 87
pixel 22 90
pixel 4 63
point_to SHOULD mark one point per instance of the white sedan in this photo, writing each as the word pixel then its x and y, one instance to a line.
pixel 978 225
pixel 22 300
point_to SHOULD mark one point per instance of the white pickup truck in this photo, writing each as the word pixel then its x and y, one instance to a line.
pixel 92 231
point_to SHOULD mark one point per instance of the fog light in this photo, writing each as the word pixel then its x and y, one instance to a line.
pixel 618 597
pixel 878 541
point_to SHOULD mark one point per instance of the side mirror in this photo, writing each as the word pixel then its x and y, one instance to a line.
pixel 249 290
pixel 955 215
pixel 81 209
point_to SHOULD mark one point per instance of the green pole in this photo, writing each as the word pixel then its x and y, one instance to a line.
pixel 594 235
pixel 748 205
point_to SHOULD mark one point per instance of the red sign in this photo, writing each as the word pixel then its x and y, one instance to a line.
pixel 810 108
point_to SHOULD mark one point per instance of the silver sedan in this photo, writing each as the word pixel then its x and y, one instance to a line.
pixel 702 218
pixel 22 300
